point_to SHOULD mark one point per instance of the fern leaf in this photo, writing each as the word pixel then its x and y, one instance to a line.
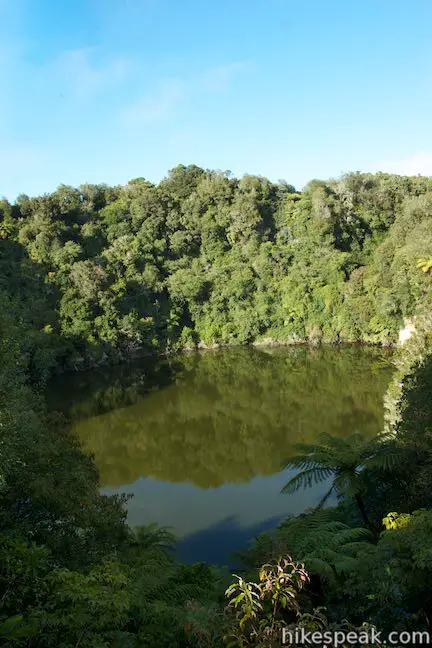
pixel 307 478
pixel 320 567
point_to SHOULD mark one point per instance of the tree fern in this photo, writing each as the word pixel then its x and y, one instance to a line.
pixel 343 459
pixel 152 536
pixel 348 535
pixel 329 548
pixel 321 568
pixel 306 478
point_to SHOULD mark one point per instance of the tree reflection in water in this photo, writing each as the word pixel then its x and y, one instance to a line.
pixel 199 440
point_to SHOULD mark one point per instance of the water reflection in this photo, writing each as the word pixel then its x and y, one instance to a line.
pixel 199 440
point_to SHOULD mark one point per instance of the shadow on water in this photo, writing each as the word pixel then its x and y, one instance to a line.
pixel 215 544
pixel 85 394
pixel 199 439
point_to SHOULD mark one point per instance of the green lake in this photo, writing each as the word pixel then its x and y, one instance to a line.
pixel 200 439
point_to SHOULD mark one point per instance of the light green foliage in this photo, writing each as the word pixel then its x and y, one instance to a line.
pixel 204 257
pixel 396 520
pixel 276 607
pixel 425 265
pixel 262 609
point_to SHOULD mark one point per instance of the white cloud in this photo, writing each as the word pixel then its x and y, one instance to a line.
pixel 418 164
pixel 159 106
pixel 219 79
pixel 165 102
pixel 83 77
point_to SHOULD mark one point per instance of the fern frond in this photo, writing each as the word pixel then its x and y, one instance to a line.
pixel 352 535
pixel 387 458
pixel 307 478
pixel 345 565
pixel 153 536
pixel 355 548
pixel 301 462
pixel 320 567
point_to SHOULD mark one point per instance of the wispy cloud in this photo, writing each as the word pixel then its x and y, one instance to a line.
pixel 219 79
pixel 157 106
pixel 171 95
pixel 84 77
pixel 417 164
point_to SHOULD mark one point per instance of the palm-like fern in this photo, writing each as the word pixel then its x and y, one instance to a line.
pixel 326 545
pixel 342 460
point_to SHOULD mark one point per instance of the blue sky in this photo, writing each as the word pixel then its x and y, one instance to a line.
pixel 108 90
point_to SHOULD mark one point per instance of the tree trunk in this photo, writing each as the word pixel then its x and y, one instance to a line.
pixel 362 509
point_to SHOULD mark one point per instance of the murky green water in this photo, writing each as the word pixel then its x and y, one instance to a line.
pixel 199 440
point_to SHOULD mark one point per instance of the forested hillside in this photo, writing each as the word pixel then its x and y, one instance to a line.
pixel 99 272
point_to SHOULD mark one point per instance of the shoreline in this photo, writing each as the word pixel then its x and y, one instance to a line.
pixel 81 366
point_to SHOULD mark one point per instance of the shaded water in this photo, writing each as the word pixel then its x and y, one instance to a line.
pixel 199 440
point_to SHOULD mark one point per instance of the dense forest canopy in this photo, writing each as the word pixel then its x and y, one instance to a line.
pixel 205 258
pixel 97 273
